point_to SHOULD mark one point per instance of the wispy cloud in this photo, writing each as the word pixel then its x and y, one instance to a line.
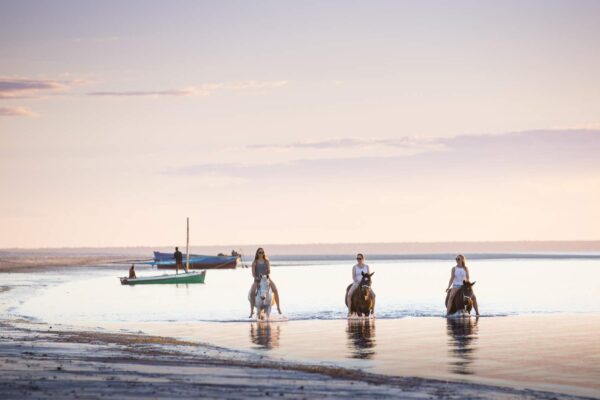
pixel 97 39
pixel 522 153
pixel 199 90
pixel 19 88
pixel 406 142
pixel 16 112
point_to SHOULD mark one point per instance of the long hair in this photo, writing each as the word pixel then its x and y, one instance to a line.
pixel 462 261
pixel 264 254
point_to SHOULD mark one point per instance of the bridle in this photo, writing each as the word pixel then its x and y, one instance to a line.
pixel 364 285
pixel 464 298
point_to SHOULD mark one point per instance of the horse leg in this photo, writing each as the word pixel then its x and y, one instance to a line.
pixel 252 298
pixel 275 295
pixel 349 298
pixel 373 297
pixel 475 306
pixel 450 304
pixel 346 297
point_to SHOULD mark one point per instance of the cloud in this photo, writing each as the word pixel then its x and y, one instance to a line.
pixel 200 90
pixel 19 88
pixel 406 142
pixel 146 93
pixel 97 39
pixel 16 112
pixel 524 154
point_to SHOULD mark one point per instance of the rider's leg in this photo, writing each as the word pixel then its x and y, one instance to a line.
pixel 252 298
pixel 450 299
pixel 374 298
pixel 475 306
pixel 275 294
pixel 349 296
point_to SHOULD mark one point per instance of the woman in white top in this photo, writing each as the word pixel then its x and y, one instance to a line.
pixel 357 271
pixel 459 274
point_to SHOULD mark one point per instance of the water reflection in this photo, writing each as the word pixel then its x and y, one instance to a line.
pixel 462 344
pixel 361 338
pixel 265 334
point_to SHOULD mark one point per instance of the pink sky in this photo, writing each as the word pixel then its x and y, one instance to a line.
pixel 279 122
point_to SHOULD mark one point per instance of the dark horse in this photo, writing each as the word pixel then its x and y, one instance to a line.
pixel 463 299
pixel 362 302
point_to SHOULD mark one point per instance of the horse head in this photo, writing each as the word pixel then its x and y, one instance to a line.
pixel 365 285
pixel 263 287
pixel 467 288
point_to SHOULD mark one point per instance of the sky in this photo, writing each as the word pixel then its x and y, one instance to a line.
pixel 298 122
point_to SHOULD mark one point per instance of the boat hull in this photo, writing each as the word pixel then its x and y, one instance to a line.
pixel 202 265
pixel 167 261
pixel 192 277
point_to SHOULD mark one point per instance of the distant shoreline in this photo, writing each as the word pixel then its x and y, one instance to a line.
pixel 388 248
pixel 28 260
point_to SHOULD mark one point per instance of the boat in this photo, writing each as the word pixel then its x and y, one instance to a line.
pixel 196 261
pixel 188 277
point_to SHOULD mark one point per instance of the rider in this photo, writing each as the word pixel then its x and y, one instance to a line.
pixel 261 266
pixel 459 274
pixel 357 271
pixel 132 272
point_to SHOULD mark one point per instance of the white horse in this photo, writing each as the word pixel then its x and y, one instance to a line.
pixel 264 299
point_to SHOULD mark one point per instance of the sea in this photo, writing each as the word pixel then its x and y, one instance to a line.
pixel 539 323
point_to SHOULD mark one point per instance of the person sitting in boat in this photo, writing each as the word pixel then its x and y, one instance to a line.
pixel 178 259
pixel 459 273
pixel 261 266
pixel 132 272
pixel 357 271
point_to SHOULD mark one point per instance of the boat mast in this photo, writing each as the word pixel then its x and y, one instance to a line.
pixel 187 247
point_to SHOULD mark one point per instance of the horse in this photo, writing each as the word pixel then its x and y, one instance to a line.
pixel 362 302
pixel 263 300
pixel 463 299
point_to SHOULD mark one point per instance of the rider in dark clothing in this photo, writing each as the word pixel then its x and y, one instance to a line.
pixel 178 259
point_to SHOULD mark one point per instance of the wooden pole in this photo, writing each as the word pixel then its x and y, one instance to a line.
pixel 187 247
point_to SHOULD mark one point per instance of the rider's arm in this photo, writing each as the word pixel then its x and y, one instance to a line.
pixel 254 269
pixel 354 266
pixel 451 279
pixel 268 267
pixel 467 270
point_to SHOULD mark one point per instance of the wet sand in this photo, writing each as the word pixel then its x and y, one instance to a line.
pixel 30 262
pixel 39 362
pixel 547 352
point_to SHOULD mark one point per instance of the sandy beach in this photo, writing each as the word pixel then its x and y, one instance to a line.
pixel 388 358
pixel 39 362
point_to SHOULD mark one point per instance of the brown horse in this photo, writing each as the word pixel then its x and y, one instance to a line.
pixel 463 299
pixel 361 302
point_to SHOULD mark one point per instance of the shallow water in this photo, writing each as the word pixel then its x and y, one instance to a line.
pixel 558 352
pixel 316 291
pixel 539 325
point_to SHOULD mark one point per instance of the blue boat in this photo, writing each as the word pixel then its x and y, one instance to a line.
pixel 167 261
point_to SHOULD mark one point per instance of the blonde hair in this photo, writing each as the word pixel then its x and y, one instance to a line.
pixel 461 261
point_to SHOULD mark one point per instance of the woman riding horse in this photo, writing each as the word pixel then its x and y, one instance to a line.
pixel 261 266
pixel 357 270
pixel 459 274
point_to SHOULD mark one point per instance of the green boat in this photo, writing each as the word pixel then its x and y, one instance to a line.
pixel 186 277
